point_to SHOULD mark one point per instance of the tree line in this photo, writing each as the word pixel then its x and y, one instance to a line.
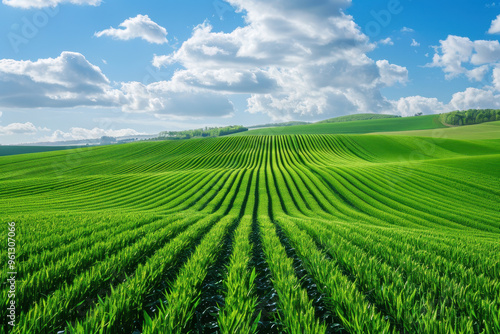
pixel 202 133
pixel 471 116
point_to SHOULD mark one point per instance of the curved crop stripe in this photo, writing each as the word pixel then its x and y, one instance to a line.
pixel 293 233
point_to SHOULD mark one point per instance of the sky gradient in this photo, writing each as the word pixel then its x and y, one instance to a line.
pixel 80 69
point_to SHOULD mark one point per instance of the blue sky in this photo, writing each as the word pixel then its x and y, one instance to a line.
pixel 76 69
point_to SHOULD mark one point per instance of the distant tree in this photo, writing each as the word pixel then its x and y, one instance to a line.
pixel 419 114
pixel 471 116
pixel 202 133
pixel 480 117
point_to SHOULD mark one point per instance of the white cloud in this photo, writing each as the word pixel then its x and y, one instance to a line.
pixel 455 51
pixel 391 74
pixel 296 59
pixel 495 26
pixel 406 29
pixel 478 73
pixel 486 52
pixel 409 106
pixel 25 4
pixel 414 43
pixel 166 98
pixel 71 81
pixel 82 133
pixel 228 80
pixel 473 98
pixel 496 78
pixel 18 128
pixel 66 81
pixel 387 41
pixel 459 55
pixel 140 26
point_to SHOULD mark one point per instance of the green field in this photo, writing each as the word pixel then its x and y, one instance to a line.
pixel 14 150
pixel 356 117
pixel 305 233
pixel 354 127
pixel 490 130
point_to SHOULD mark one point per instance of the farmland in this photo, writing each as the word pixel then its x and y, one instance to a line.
pixel 356 117
pixel 355 126
pixel 300 233
pixel 478 131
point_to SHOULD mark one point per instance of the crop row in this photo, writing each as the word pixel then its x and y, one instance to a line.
pixel 315 234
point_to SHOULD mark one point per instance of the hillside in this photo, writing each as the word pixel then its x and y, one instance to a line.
pixel 273 125
pixel 354 127
pixel 356 117
pixel 322 231
pixel 490 130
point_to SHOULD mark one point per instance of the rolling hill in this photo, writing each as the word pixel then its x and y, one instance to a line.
pixel 356 117
pixel 490 130
pixel 304 233
pixel 354 127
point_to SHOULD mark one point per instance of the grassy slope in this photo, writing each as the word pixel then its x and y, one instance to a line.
pixel 474 156
pixel 270 125
pixel 104 166
pixel 490 130
pixel 356 117
pixel 476 143
pixel 410 186
pixel 354 127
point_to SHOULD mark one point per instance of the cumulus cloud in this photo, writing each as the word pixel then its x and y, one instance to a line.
pixel 470 98
pixel 391 74
pixel 26 4
pixel 414 43
pixel 298 58
pixel 496 78
pixel 18 129
pixel 495 26
pixel 166 98
pixel 474 98
pixel 486 52
pixel 82 133
pixel 406 29
pixel 478 73
pixel 455 51
pixel 387 41
pixel 66 81
pixel 459 55
pixel 409 106
pixel 140 26
pixel 71 81
pixel 228 80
